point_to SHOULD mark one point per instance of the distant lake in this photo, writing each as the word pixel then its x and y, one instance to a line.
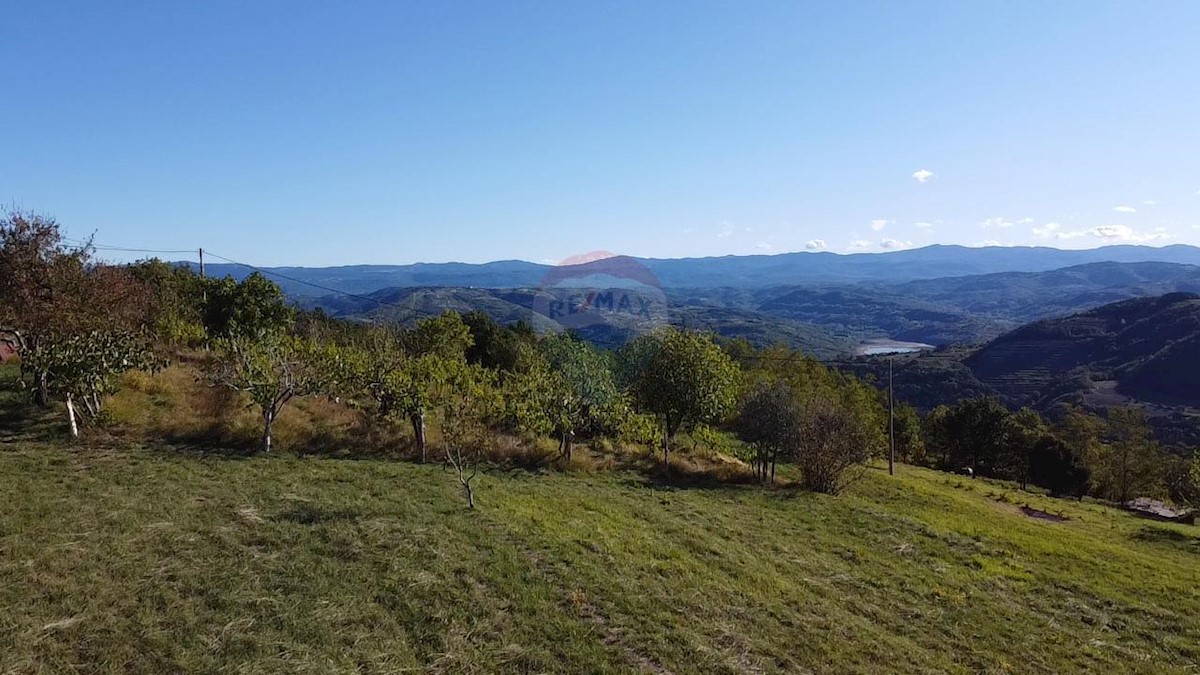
pixel 879 347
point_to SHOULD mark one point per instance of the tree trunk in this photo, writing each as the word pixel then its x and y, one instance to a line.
pixel 470 495
pixel 268 420
pixel 42 394
pixel 71 417
pixel 666 445
pixel 418 425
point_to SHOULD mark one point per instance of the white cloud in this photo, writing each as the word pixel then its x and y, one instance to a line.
pixel 1126 234
pixel 763 246
pixel 815 245
pixel 1149 202
pixel 1045 230
pixel 1124 209
pixel 989 243
pixel 1116 234
pixel 996 222
pixel 923 225
pixel 879 223
pixel 890 244
pixel 858 245
pixel 923 175
pixel 726 230
pixel 1025 221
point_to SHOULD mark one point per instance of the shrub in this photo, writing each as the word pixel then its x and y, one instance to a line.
pixel 835 446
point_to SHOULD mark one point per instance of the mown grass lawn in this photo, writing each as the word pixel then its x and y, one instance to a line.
pixel 156 561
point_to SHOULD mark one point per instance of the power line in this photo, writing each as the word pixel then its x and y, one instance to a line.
pixel 383 303
pixel 124 249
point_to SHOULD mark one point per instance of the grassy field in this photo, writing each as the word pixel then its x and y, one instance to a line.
pixel 153 560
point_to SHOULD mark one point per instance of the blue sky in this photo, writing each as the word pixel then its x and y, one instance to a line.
pixel 393 132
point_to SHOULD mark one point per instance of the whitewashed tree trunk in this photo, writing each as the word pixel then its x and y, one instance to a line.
pixel 418 424
pixel 71 417
pixel 268 419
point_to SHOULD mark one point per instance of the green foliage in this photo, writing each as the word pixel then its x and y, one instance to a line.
pixel 1055 466
pixel 772 421
pixel 469 403
pixel 446 336
pixel 255 307
pixel 497 347
pixel 1130 464
pixel 86 368
pixel 910 444
pixel 683 378
pixel 975 433
pixel 271 370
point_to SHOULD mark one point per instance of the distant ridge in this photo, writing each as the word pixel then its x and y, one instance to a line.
pixel 750 271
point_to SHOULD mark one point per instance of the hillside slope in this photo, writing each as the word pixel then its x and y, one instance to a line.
pixel 151 560
pixel 1149 346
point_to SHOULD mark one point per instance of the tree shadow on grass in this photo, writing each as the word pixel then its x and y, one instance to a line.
pixel 22 421
pixel 1169 537
pixel 309 513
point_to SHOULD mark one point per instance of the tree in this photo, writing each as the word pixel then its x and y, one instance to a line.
pixel 1131 463
pixel 494 346
pixel 586 400
pixel 271 370
pixel 470 400
pixel 975 433
pixel 252 308
pixel 771 421
pixel 437 348
pixel 58 308
pixel 1054 465
pixel 682 377
pixel 910 444
pixel 1025 431
pixel 85 368
pixel 836 444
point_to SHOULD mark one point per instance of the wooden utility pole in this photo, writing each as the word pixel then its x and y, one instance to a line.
pixel 201 263
pixel 891 422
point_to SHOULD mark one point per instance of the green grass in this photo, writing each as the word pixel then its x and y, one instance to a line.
pixel 153 561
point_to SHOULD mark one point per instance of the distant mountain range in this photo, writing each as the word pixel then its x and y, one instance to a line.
pixel 746 272
pixel 825 320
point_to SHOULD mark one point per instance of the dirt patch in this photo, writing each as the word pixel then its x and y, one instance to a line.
pixel 1030 512
pixel 1043 515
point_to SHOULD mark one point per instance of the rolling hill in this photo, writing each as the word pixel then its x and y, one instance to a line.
pixel 825 320
pixel 1143 351
pixel 1149 347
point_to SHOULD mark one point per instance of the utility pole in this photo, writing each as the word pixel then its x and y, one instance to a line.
pixel 891 421
pixel 201 263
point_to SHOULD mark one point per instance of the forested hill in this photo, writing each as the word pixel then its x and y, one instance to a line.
pixel 1149 347
pixel 753 271
pixel 1144 351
